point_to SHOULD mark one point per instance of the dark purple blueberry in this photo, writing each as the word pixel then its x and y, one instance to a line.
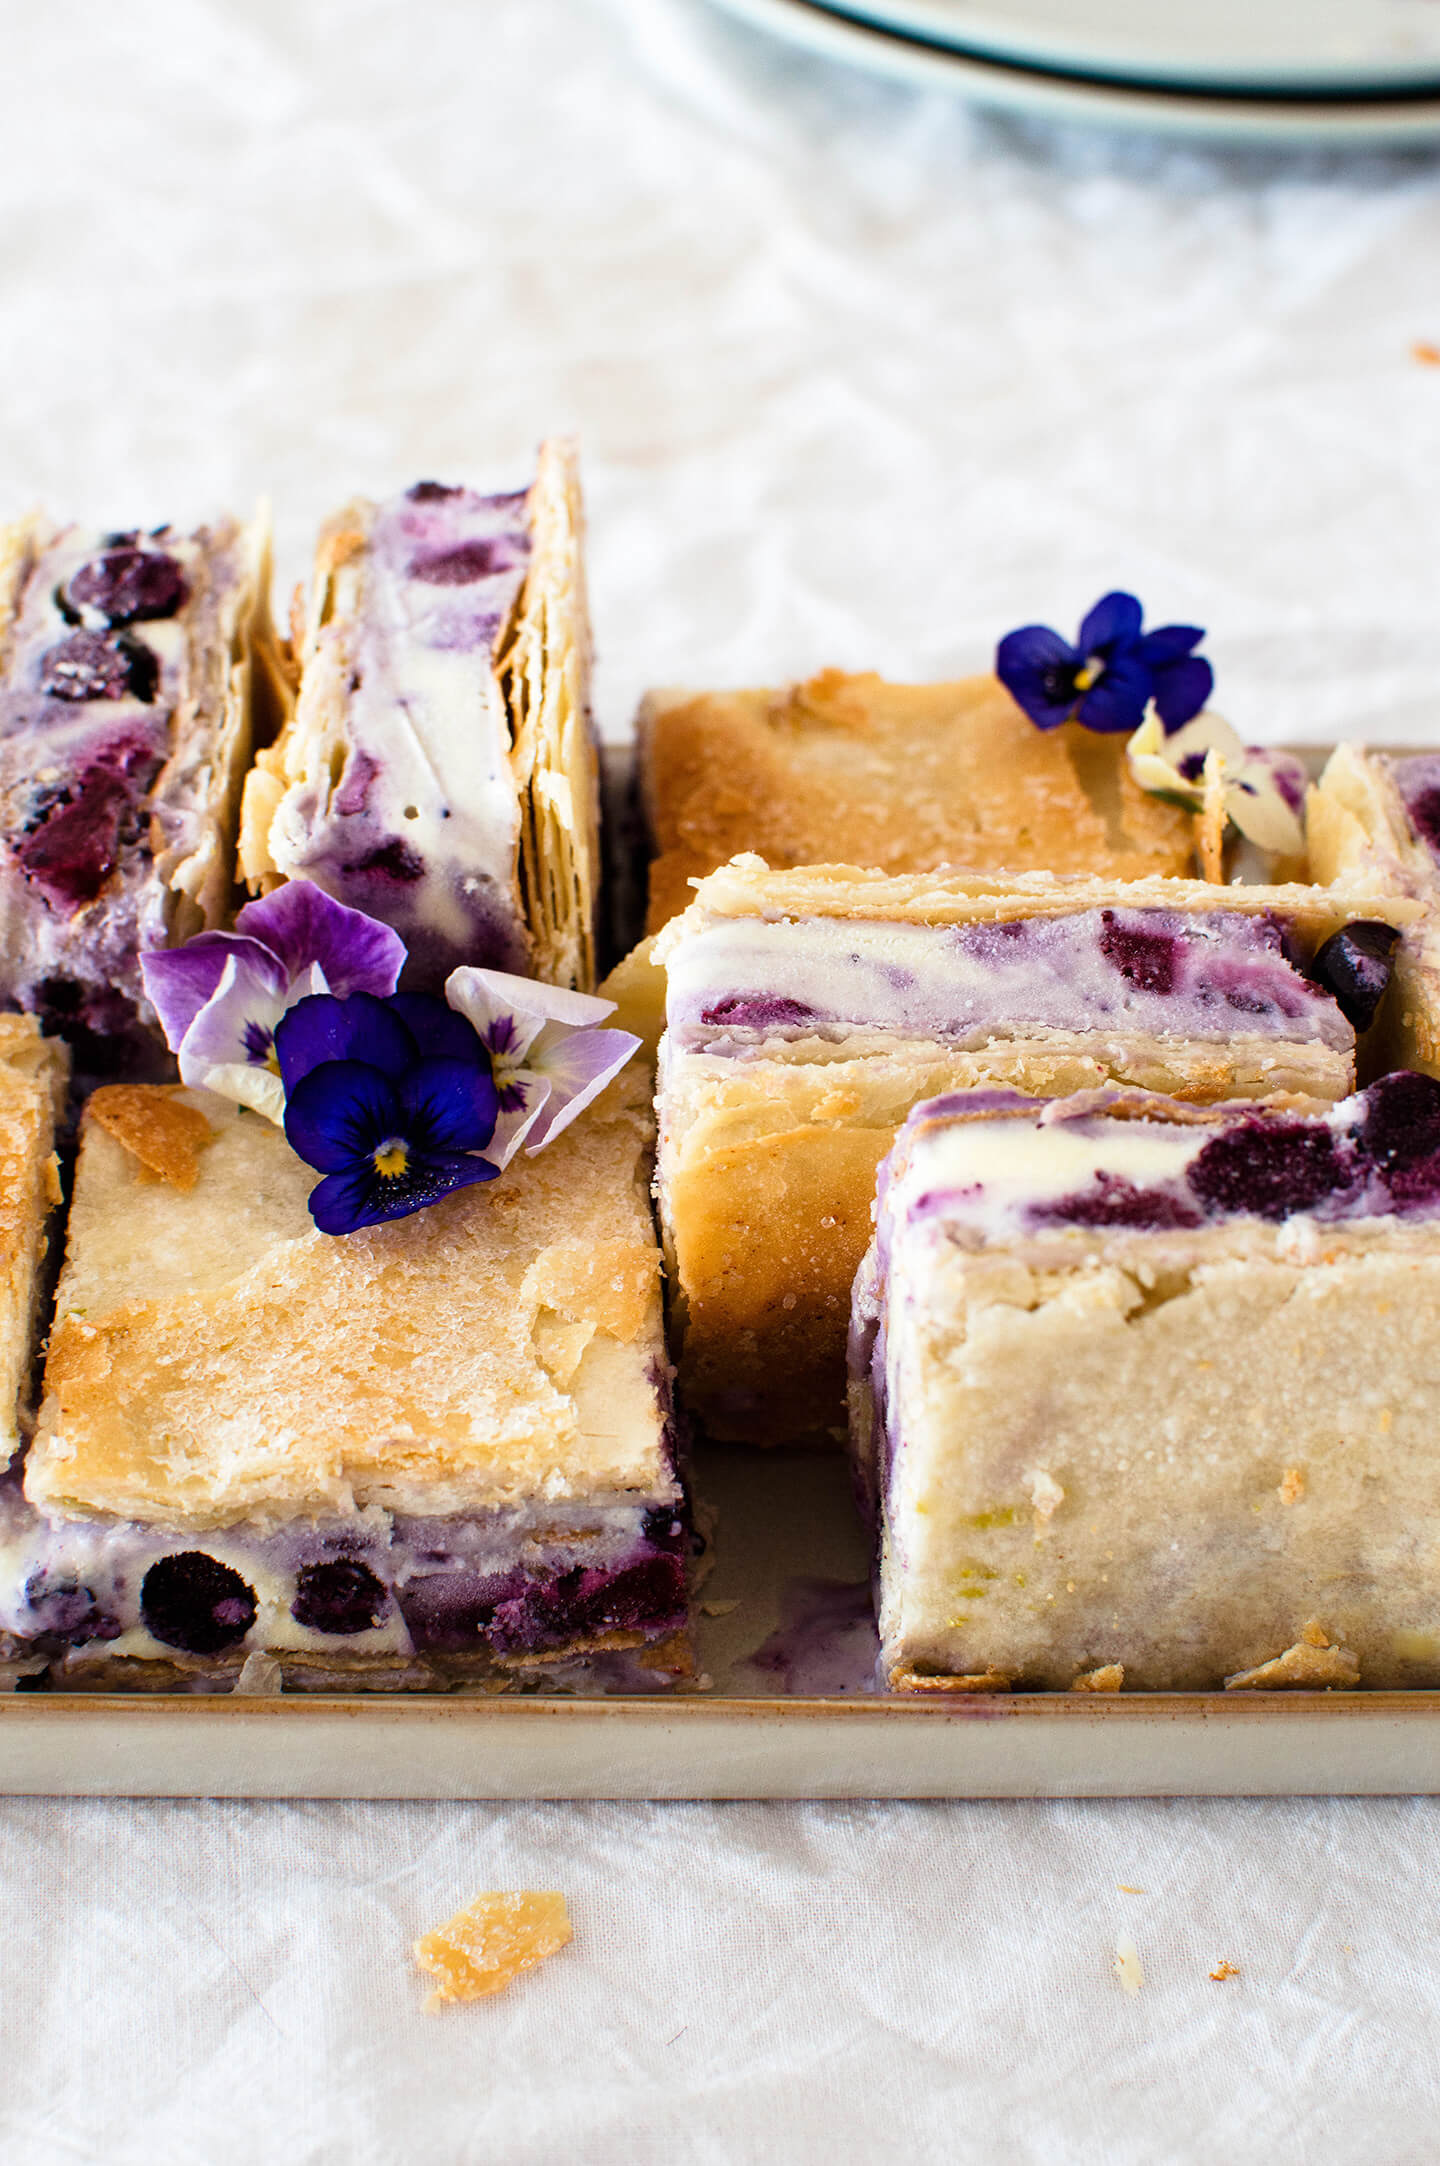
pixel 1115 1202
pixel 129 585
pixel 431 492
pixel 73 842
pixel 1424 811
pixel 393 860
pixel 99 665
pixel 664 1527
pixel 642 1598
pixel 342 1596
pixel 1146 960
pixel 1402 1120
pixel 757 1011
pixel 450 1612
pixel 1267 1169
pixel 195 1602
pixel 1354 968
pixel 63 1609
pixel 466 562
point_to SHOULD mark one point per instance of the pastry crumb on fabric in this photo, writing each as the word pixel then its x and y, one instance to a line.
pixel 1425 351
pixel 1108 1678
pixel 1225 1970
pixel 1127 1967
pixel 1292 1486
pixel 1312 1663
pixel 718 1609
pixel 1126 1890
pixel 491 1941
pixel 154 1126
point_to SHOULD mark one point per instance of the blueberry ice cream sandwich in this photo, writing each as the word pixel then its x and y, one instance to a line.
pixel 1143 1395
pixel 440 771
pixel 437 1449
pixel 808 1011
pixel 137 672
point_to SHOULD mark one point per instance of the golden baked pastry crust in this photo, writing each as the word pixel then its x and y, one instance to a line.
pixel 899 776
pixel 214 1358
pixel 33 1076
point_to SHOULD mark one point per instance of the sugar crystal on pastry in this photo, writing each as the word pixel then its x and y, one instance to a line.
pixel 1149 1386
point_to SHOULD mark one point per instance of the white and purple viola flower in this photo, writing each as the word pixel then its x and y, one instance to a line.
pixel 548 1058
pixel 221 995
pixel 396 1099
pixel 1111 675
pixel 1262 789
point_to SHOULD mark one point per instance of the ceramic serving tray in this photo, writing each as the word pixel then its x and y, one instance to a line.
pixel 784 1705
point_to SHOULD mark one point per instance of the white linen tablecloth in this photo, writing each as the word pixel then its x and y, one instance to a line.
pixel 862 378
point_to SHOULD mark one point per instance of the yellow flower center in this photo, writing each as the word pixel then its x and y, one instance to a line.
pixel 391 1158
pixel 1093 671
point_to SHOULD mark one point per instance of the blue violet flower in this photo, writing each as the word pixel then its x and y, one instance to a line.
pixel 1109 677
pixel 391 1127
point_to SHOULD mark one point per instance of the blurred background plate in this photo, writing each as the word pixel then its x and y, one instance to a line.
pixel 1283 87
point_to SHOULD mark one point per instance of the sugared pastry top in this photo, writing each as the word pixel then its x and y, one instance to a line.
pixel 440 772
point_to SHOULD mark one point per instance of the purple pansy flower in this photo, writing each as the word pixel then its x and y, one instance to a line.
pixel 391 1100
pixel 1109 677
pixel 547 1060
pixel 221 995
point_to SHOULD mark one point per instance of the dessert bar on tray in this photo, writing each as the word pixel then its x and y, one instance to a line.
pixel 852 769
pixel 439 1449
pixel 808 1011
pixel 440 771
pixel 137 672
pixel 1144 1394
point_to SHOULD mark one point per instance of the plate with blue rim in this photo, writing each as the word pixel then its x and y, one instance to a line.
pixel 1326 71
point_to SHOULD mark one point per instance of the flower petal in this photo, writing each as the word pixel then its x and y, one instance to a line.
pixel 339 1113
pixel 448 1105
pixel 524 1099
pixel 1037 669
pixel 357 1028
pixel 229 1046
pixel 344 1202
pixel 1118 700
pixel 304 925
pixel 1256 800
pixel 439 1030
pixel 1169 643
pixel 1114 622
pixel 179 981
pixel 577 1068
pixel 1182 688
pixel 487 998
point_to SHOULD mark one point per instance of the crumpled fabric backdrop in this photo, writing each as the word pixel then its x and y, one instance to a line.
pixel 862 377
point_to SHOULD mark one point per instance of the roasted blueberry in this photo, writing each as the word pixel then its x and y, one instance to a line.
pixel 1144 959
pixel 1114 1201
pixel 195 1602
pixel 64 1609
pixel 1424 811
pixel 75 835
pixel 466 562
pixel 1269 1170
pixel 99 665
pixel 757 1011
pixel 339 1596
pixel 393 860
pixel 1354 968
pixel 431 492
pixel 1401 1129
pixel 129 585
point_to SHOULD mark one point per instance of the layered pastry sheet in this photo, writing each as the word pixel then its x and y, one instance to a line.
pixel 440 771
pixel 1143 1394
pixel 137 672
pixel 1375 817
pixel 33 1075
pixel 438 1449
pixel 808 1011
pixel 897 776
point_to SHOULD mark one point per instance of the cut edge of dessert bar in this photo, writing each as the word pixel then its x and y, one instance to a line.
pixel 898 776
pixel 1140 1388
pixel 480 844
pixel 256 1437
pixel 34 1072
pixel 1358 828
pixel 139 672
pixel 773 1119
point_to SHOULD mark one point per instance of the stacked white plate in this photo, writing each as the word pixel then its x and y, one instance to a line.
pixel 1267 70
